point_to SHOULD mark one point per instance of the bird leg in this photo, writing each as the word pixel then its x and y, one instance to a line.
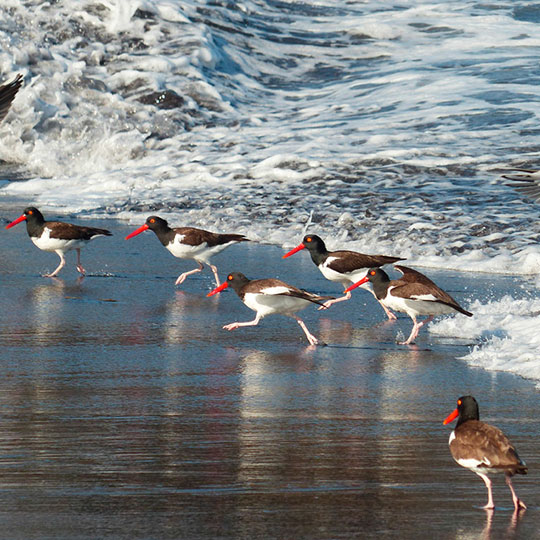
pixel 183 276
pixel 389 314
pixel 79 265
pixel 214 269
pixel 416 328
pixel 311 338
pixel 490 504
pixel 60 266
pixel 235 325
pixel 328 303
pixel 518 503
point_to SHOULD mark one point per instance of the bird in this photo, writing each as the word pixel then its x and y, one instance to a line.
pixel 345 267
pixel 189 243
pixel 269 296
pixel 483 448
pixel 8 91
pixel 526 181
pixel 57 236
pixel 413 294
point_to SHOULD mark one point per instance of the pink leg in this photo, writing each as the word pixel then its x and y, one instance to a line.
pixel 79 265
pixel 60 266
pixel 235 325
pixel 518 503
pixel 389 314
pixel 329 303
pixel 183 276
pixel 415 330
pixel 214 269
pixel 490 504
pixel 311 338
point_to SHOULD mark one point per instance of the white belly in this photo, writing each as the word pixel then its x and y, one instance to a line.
pixel 198 253
pixel 344 279
pixel 46 243
pixel 269 304
pixel 413 308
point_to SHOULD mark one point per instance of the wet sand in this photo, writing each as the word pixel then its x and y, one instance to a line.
pixel 127 412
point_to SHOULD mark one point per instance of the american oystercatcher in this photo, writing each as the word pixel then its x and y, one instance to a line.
pixel 483 449
pixel 8 91
pixel 57 236
pixel 413 294
pixel 344 267
pixel 525 181
pixel 269 296
pixel 189 243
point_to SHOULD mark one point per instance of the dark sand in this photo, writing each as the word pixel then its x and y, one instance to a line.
pixel 127 412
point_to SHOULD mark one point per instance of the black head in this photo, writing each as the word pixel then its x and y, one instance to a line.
pixel 467 409
pixel 156 223
pixel 312 242
pixel 32 213
pixel 33 217
pixel 237 280
pixel 377 275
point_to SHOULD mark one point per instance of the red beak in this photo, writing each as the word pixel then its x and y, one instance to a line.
pixel 222 287
pixel 452 416
pixel 138 231
pixel 357 284
pixel 293 251
pixel 18 220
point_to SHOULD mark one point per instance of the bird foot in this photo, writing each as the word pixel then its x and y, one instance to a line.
pixel 231 326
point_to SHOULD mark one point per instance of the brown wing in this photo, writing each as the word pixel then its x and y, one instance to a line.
pixel 487 444
pixel 8 92
pixel 196 237
pixel 68 231
pixel 262 285
pixel 345 262
pixel 414 284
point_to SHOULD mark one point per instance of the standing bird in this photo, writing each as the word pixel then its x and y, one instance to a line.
pixel 413 294
pixel 57 236
pixel 8 91
pixel 344 267
pixel 269 296
pixel 483 449
pixel 189 243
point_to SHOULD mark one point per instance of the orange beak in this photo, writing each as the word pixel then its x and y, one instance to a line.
pixel 294 250
pixel 18 220
pixel 357 284
pixel 452 416
pixel 217 290
pixel 138 231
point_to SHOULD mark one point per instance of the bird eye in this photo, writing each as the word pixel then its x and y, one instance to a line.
pixel 372 272
pixel 459 401
pixel 152 220
pixel 308 239
pixel 229 277
pixel 30 212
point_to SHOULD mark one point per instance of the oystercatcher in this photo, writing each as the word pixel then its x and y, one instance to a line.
pixel 189 243
pixel 269 296
pixel 526 181
pixel 343 267
pixel 57 236
pixel 483 449
pixel 413 294
pixel 8 91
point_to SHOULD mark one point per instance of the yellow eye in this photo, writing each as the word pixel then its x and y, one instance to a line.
pixel 308 239
pixel 372 272
pixel 229 277
pixel 459 401
pixel 152 220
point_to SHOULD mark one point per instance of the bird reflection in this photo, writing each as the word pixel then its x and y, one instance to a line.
pixel 511 530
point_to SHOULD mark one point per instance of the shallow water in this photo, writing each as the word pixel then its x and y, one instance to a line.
pixel 127 412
